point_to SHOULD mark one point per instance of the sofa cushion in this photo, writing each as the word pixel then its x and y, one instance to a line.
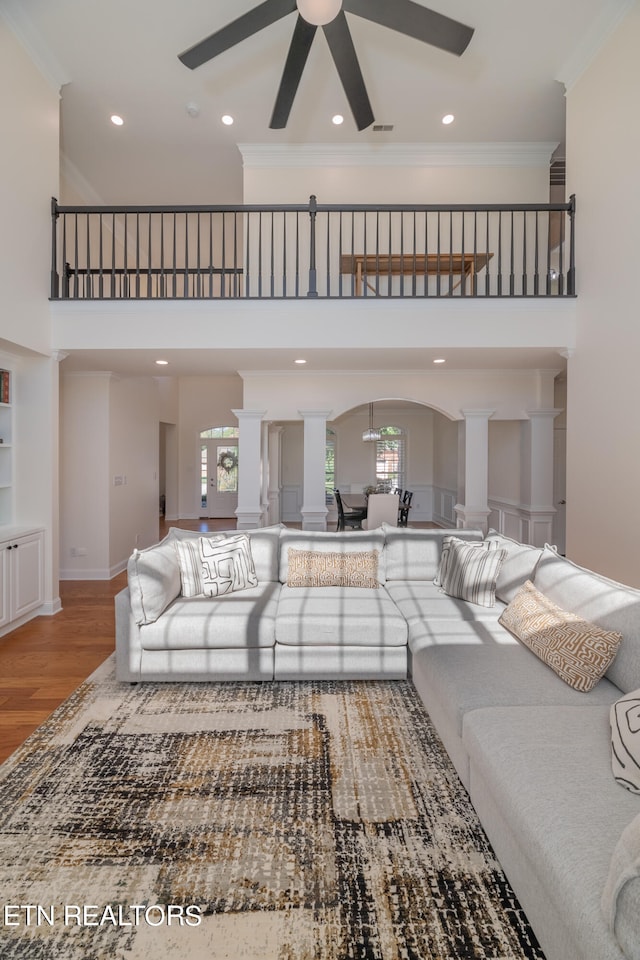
pixel 471 571
pixel 313 568
pixel 227 565
pixel 154 580
pixel 414 554
pixel 621 894
pixel 578 651
pixel 422 602
pixel 518 565
pixel 544 771
pixel 474 664
pixel 337 616
pixel 331 542
pixel 611 605
pixel 237 620
pixel 625 741
pixel 265 547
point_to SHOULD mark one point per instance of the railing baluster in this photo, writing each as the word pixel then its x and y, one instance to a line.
pixel 458 246
pixel 571 275
pixel 536 274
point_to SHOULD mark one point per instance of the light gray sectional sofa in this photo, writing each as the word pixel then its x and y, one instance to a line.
pixel 534 753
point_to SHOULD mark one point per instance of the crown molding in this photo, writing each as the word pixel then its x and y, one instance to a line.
pixel 510 154
pixel 14 14
pixel 593 40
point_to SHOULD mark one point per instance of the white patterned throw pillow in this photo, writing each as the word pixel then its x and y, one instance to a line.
pixel 227 565
pixel 625 740
pixel 471 572
pixel 190 564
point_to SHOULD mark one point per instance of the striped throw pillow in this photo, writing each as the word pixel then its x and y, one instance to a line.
pixel 579 651
pixel 227 565
pixel 448 542
pixel 625 740
pixel 471 573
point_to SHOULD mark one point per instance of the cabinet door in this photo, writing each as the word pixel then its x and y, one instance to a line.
pixel 27 586
pixel 5 597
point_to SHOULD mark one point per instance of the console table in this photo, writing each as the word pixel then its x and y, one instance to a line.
pixel 363 266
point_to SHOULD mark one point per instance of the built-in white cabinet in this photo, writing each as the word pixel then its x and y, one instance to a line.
pixel 21 575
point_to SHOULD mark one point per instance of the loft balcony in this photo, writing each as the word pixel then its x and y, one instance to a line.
pixel 313 251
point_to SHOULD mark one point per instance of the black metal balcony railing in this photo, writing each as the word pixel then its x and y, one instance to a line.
pixel 313 250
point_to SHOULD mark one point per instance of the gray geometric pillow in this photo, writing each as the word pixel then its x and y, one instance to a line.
pixel 625 741
pixel 227 565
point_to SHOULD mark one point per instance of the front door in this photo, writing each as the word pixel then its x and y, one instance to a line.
pixel 219 473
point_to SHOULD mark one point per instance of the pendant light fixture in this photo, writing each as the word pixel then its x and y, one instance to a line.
pixel 371 433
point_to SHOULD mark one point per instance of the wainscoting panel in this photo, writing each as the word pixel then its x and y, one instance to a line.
pixel 444 502
pixel 291 503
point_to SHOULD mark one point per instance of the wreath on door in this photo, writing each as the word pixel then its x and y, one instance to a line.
pixel 228 461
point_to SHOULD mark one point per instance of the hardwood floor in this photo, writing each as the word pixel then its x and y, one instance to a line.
pixel 42 662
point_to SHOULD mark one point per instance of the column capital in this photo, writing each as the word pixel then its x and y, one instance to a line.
pixel 320 414
pixel 481 414
pixel 249 414
pixel 552 412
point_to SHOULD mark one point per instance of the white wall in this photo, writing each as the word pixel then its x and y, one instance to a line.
pixel 402 173
pixel 133 456
pixel 28 180
pixel 603 455
pixel 509 392
pixel 84 476
pixel 109 429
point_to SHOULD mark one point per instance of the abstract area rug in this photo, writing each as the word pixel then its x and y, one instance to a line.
pixel 274 821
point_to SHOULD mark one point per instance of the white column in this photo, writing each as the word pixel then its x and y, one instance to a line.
pixel 249 509
pixel 537 477
pixel 264 491
pixel 475 509
pixel 314 506
pixel 273 493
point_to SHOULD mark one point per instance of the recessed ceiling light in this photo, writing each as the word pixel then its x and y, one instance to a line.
pixel 162 363
pixel 338 119
pixel 300 361
pixel 448 118
pixel 440 360
pixel 116 120
pixel 227 120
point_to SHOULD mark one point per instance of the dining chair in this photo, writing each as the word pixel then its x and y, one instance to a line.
pixel 404 507
pixel 346 517
pixel 381 508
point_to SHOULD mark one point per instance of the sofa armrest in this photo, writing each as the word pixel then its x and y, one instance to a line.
pixel 128 644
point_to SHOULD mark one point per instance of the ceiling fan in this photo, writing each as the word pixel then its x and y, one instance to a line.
pixel 405 16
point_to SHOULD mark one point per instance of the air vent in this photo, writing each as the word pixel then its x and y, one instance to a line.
pixel 558 173
pixel 382 127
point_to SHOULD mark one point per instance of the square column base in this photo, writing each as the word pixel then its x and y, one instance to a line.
pixel 472 518
pixel 314 519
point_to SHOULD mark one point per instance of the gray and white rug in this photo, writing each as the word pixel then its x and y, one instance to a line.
pixel 275 821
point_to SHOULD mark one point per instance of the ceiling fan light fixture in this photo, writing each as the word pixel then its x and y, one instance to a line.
pixel 319 12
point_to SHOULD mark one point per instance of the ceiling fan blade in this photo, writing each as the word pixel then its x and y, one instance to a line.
pixel 296 58
pixel 245 26
pixel 416 21
pixel 344 56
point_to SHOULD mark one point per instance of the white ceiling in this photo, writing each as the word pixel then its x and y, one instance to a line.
pixel 122 57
